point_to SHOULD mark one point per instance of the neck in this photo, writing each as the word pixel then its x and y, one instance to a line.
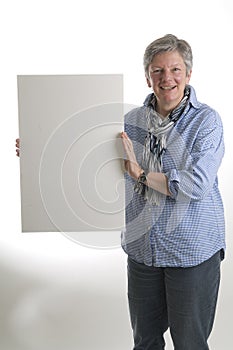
pixel 164 112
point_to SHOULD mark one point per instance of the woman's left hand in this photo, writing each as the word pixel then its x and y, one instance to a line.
pixel 131 164
pixel 17 145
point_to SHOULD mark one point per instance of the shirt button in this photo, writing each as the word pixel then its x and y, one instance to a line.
pixel 149 227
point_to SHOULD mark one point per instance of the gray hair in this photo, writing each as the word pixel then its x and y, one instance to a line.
pixel 168 42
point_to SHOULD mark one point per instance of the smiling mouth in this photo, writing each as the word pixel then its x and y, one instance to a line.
pixel 167 87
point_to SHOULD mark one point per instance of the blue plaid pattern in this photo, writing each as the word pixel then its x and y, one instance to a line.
pixel 187 228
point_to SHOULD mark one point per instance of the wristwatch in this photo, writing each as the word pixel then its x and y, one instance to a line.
pixel 142 178
pixel 140 185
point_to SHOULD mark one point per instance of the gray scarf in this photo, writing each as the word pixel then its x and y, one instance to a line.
pixel 155 143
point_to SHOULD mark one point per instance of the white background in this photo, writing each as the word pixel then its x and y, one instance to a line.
pixel 55 294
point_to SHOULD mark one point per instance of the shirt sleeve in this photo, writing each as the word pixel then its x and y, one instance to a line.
pixel 196 177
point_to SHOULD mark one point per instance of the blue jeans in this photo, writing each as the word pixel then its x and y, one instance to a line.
pixel 183 299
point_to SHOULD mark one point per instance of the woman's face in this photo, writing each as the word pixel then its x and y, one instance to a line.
pixel 167 77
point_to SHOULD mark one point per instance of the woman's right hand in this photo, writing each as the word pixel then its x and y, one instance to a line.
pixel 131 164
pixel 17 145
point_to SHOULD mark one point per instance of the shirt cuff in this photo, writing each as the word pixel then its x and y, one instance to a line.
pixel 173 182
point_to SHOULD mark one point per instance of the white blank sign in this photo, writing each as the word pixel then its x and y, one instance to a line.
pixel 71 154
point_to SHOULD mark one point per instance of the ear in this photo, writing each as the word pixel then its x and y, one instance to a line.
pixel 188 76
pixel 148 82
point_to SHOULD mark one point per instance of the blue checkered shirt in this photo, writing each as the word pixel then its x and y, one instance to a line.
pixel 187 227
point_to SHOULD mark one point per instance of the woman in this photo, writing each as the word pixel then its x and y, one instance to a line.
pixel 174 234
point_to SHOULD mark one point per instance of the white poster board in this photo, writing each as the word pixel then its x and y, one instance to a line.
pixel 71 155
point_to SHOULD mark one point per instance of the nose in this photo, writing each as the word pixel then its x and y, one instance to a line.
pixel 166 75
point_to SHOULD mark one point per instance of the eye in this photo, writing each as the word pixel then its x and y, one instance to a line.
pixel 156 70
pixel 176 69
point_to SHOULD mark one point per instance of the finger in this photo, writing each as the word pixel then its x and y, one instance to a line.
pixel 124 135
pixel 128 146
pixel 126 164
